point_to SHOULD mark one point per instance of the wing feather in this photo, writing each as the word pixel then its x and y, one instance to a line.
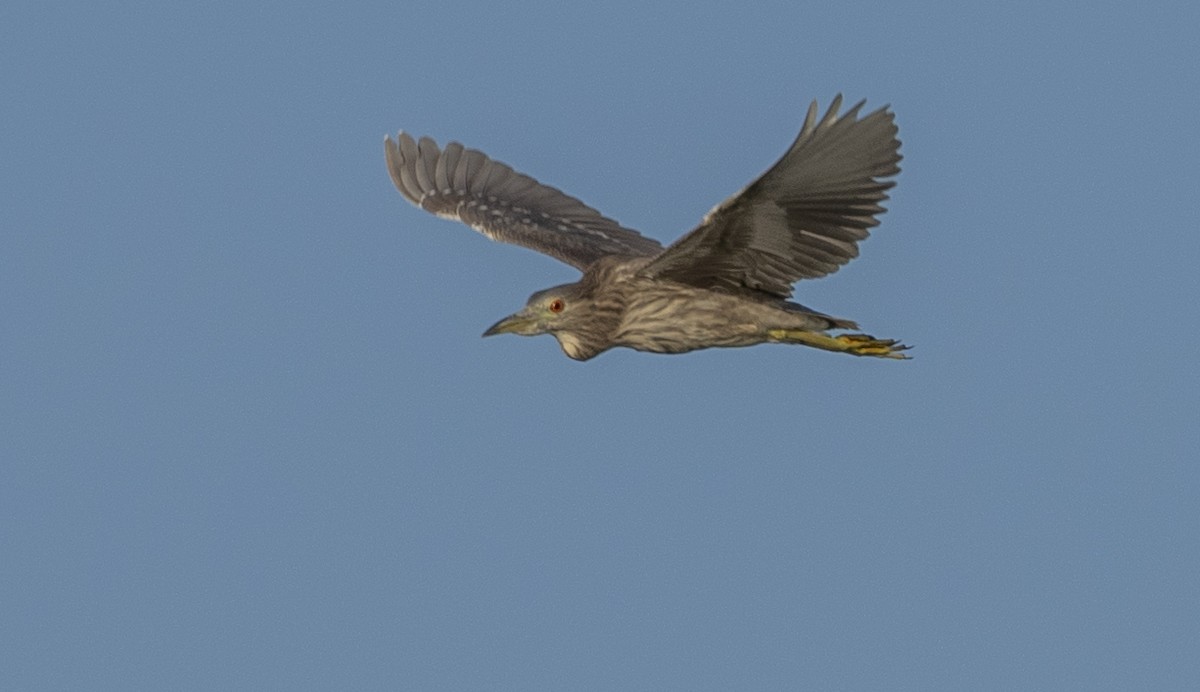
pixel 466 185
pixel 445 166
pixel 801 219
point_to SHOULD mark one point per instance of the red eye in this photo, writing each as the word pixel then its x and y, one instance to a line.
pixel 555 305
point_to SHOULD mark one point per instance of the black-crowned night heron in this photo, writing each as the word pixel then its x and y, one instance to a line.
pixel 726 283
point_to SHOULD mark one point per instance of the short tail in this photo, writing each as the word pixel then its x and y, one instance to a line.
pixel 831 321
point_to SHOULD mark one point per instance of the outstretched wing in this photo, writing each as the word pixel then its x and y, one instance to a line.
pixel 465 185
pixel 801 219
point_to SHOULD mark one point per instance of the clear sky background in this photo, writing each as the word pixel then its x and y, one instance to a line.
pixel 252 439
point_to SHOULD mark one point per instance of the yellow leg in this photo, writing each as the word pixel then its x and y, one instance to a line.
pixel 854 344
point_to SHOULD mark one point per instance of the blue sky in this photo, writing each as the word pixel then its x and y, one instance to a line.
pixel 254 441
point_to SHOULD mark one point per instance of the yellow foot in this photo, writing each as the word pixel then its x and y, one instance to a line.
pixel 866 345
pixel 854 344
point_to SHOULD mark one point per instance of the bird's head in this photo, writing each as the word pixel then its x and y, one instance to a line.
pixel 564 311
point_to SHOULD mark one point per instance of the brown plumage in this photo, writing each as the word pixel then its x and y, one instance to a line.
pixel 726 283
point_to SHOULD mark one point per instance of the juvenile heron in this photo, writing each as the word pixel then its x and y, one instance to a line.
pixel 726 283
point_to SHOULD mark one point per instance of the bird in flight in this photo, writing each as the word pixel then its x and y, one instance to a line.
pixel 725 283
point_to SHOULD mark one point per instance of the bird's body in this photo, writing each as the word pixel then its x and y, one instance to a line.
pixel 725 284
pixel 624 308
